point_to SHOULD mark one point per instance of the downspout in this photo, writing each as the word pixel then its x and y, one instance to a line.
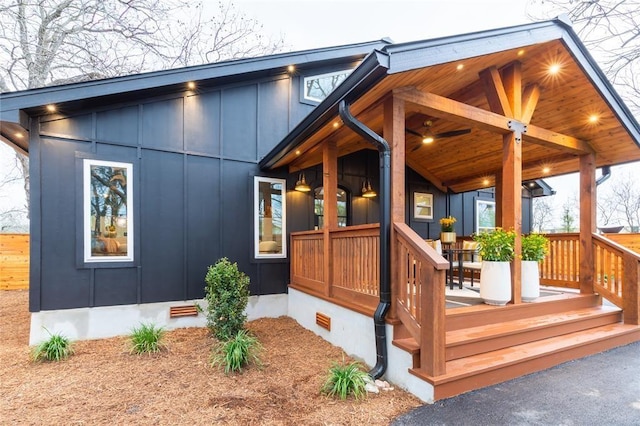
pixel 385 234
pixel 606 174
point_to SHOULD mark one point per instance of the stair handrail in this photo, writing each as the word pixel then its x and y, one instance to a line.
pixel 418 276
pixel 617 276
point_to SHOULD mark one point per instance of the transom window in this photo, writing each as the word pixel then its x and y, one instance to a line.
pixel 107 207
pixel 318 87
pixel 318 207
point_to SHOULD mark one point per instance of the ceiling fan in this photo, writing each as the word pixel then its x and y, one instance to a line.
pixel 428 136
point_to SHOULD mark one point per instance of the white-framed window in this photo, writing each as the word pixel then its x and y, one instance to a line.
pixel 270 199
pixel 107 211
pixel 485 216
pixel 317 87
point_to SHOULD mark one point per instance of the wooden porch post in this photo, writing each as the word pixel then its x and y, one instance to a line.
pixel 512 203
pixel 498 195
pixel 393 132
pixel 330 206
pixel 587 220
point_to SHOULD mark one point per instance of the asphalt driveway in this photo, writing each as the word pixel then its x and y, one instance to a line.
pixel 602 389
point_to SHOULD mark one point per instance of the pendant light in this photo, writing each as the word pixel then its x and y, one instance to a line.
pixel 301 184
pixel 367 191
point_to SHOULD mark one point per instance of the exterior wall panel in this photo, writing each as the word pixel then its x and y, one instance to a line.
pixel 162 250
pixel 202 123
pixel 239 115
pixel 162 124
pixel 118 125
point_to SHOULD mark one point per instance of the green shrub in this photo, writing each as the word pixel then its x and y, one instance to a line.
pixel 227 295
pixel 237 352
pixel 534 247
pixel 56 348
pixel 147 339
pixel 496 245
pixel 346 379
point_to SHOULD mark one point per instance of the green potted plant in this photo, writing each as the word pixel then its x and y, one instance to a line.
pixel 447 233
pixel 534 248
pixel 496 249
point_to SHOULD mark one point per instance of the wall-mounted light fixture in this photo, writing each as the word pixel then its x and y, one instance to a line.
pixel 367 191
pixel 301 184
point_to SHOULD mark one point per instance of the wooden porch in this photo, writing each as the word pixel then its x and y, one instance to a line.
pixel 461 349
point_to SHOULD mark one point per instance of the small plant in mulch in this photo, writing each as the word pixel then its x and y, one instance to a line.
pixel 147 338
pixel 56 348
pixel 237 353
pixel 227 295
pixel 346 379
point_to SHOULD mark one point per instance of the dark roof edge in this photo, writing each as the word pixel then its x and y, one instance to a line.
pixel 372 69
pixel 599 79
pixel 133 82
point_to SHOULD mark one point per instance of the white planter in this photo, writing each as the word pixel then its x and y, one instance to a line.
pixel 495 282
pixel 530 280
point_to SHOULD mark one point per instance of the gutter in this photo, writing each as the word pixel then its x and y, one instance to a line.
pixel 385 234
pixel 606 174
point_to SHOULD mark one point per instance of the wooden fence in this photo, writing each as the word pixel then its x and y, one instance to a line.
pixel 14 261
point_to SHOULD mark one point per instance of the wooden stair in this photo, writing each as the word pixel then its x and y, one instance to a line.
pixel 486 345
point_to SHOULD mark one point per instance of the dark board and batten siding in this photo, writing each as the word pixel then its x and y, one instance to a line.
pixel 194 158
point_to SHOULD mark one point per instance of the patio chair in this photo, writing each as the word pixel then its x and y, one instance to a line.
pixel 470 261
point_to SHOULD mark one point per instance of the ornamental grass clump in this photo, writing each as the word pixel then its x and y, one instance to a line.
pixel 237 353
pixel 534 247
pixel 55 348
pixel 146 339
pixel 346 379
pixel 496 245
pixel 227 295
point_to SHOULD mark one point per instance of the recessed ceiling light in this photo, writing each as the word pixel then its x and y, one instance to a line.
pixel 554 69
pixel 594 118
pixel 520 52
pixel 191 85
pixel 485 182
pixel 51 108
pixel 460 67
pixel 335 124
pixel 19 135
pixel 546 169
pixel 291 68
pixel 297 152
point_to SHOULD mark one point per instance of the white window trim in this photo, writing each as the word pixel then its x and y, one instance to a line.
pixel 488 202
pixel 256 218
pixel 86 210
pixel 347 71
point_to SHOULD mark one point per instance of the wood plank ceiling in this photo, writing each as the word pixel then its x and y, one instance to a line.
pixel 471 160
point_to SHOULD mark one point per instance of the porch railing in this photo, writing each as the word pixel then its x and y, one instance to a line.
pixel 561 267
pixel 617 276
pixel 616 270
pixel 352 266
pixel 418 277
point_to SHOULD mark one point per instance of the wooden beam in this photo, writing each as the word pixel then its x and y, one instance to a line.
pixel 495 92
pixel 393 132
pixel 530 99
pixel 439 106
pixel 587 221
pixel 512 79
pixel 551 139
pixel 512 204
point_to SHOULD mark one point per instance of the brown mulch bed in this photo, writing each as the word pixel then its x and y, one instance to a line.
pixel 104 384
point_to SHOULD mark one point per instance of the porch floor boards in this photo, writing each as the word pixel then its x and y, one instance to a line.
pixel 488 345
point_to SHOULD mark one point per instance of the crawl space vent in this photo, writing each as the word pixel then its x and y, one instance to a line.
pixel 323 321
